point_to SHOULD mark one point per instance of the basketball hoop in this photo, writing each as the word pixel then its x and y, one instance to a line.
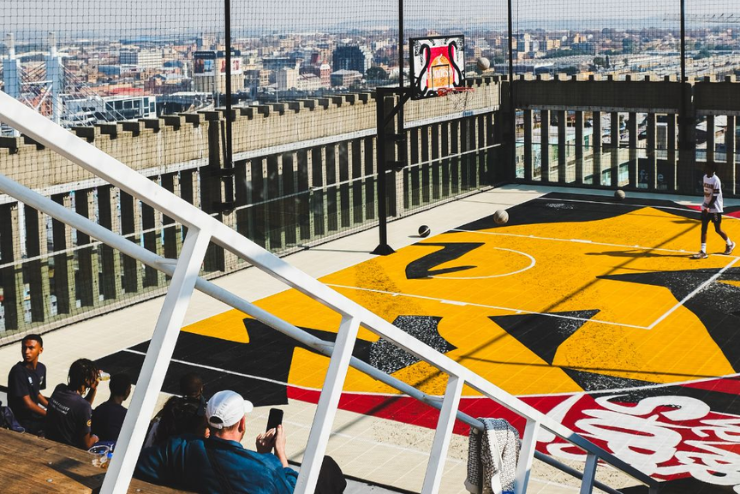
pixel 458 96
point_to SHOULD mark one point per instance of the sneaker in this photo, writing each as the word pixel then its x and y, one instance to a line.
pixel 700 255
pixel 729 249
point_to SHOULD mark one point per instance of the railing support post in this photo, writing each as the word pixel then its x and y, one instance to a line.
pixel 526 456
pixel 155 365
pixel 327 406
pixel 589 474
pixel 441 443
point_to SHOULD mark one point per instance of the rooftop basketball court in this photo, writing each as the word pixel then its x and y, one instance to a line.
pixel 588 307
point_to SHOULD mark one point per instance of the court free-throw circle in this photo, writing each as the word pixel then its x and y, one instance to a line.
pixel 532 262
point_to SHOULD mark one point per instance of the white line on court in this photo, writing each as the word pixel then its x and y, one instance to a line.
pixel 581 241
pixel 590 242
pixel 691 295
pixel 396 395
pixel 605 244
pixel 628 390
pixel 273 381
pixel 226 371
pixel 531 265
pixel 507 309
pixel 675 208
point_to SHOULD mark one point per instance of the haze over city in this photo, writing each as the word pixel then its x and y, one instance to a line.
pixel 163 18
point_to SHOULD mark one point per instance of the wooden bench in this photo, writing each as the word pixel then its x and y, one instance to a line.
pixel 32 464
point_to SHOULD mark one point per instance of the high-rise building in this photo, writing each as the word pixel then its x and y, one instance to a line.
pixel 352 57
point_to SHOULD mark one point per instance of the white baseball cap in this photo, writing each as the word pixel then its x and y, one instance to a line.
pixel 226 408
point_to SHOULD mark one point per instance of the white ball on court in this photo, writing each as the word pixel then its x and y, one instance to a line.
pixel 483 63
pixel 501 217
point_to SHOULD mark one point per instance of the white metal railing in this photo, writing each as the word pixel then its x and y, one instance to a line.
pixel 203 229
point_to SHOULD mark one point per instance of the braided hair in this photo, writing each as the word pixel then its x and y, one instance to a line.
pixel 83 372
pixel 180 416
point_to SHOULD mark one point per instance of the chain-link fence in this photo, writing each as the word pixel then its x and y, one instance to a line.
pixel 266 119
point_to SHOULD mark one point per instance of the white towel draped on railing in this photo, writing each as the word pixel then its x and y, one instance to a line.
pixel 492 457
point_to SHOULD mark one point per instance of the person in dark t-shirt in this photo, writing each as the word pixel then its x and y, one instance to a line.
pixel 107 419
pixel 69 416
pixel 25 382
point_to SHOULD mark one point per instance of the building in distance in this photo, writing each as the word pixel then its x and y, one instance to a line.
pixel 209 71
pixel 345 78
pixel 352 57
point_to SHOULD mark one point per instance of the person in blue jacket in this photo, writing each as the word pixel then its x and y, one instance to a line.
pixel 220 463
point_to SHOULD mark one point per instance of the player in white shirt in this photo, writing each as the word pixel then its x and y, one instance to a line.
pixel 711 210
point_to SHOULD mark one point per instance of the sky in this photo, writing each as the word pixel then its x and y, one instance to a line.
pixel 123 18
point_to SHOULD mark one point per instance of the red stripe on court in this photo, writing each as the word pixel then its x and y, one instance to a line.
pixel 412 411
pixel 729 386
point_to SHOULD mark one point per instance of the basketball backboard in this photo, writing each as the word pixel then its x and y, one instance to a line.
pixel 437 62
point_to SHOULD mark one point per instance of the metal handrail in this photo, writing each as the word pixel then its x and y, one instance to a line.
pixel 205 228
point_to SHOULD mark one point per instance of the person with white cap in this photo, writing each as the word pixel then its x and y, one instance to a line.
pixel 220 463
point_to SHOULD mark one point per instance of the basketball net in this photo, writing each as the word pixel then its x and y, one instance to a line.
pixel 457 96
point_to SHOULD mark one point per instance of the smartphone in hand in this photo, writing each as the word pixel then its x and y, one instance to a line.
pixel 275 419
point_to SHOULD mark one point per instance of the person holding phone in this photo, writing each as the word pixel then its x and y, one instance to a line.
pixel 273 439
pixel 220 463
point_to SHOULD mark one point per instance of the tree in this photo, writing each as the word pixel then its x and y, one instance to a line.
pixel 703 53
pixel 377 74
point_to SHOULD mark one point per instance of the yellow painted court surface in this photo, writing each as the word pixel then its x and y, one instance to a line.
pixel 640 331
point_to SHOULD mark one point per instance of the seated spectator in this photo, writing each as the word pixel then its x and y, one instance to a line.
pixel 220 463
pixel 25 381
pixel 181 416
pixel 191 389
pixel 68 418
pixel 107 419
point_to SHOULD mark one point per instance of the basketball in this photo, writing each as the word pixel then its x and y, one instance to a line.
pixel 619 195
pixel 483 63
pixel 501 217
pixel 424 231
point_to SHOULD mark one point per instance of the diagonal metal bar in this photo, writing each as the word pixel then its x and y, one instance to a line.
pixel 156 362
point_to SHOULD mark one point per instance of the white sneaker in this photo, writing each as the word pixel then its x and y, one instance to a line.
pixel 700 255
pixel 730 248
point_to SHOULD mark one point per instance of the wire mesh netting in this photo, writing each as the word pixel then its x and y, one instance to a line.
pixel 653 133
pixel 296 164
pixel 265 116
